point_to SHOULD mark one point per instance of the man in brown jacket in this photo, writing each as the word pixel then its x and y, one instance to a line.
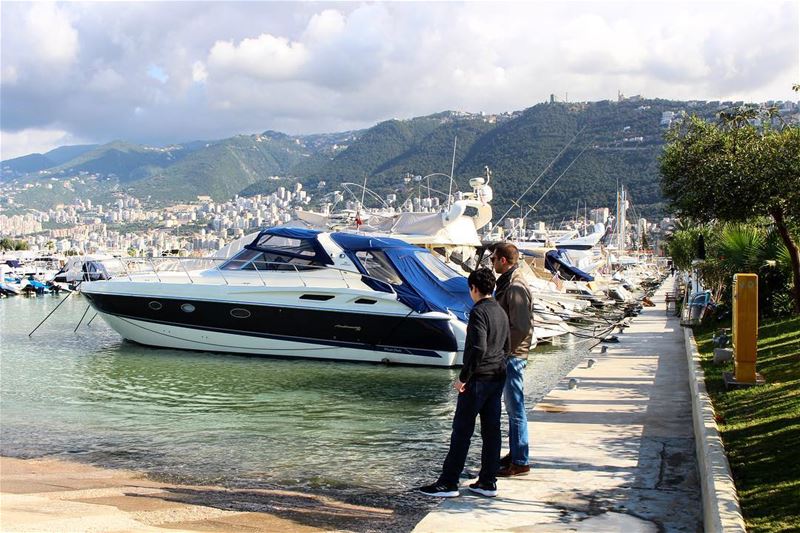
pixel 514 296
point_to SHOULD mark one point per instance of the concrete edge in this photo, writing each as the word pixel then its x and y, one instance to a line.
pixel 721 509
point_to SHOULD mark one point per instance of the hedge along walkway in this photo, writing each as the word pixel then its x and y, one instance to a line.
pixel 760 426
pixel 616 453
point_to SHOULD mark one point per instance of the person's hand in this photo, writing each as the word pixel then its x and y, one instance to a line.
pixel 459 386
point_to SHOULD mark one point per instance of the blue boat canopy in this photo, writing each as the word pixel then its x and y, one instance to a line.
pixel 423 282
pixel 556 261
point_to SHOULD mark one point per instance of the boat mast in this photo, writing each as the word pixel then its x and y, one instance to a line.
pixel 452 170
pixel 621 215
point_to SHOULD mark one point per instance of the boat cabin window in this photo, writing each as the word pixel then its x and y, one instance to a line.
pixel 436 267
pixel 379 267
pixel 249 259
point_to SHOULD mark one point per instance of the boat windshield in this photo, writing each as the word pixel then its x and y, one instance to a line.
pixel 379 267
pixel 251 259
pixel 286 244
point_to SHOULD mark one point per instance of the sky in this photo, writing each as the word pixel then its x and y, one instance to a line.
pixel 159 73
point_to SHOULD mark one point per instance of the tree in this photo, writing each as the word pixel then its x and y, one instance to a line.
pixel 738 169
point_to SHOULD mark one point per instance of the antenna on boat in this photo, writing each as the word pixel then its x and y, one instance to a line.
pixel 452 170
pixel 364 190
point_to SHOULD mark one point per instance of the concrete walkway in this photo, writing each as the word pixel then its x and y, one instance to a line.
pixel 614 454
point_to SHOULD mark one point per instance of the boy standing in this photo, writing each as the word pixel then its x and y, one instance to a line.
pixel 480 387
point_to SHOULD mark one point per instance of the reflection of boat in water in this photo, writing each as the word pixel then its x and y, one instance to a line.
pixel 299 293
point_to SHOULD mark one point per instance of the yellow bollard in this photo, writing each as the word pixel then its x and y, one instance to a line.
pixel 745 327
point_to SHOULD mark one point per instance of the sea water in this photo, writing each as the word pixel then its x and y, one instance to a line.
pixel 369 431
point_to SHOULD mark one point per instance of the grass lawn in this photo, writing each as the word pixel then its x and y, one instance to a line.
pixel 760 426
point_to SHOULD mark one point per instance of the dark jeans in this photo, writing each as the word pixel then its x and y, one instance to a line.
pixel 481 398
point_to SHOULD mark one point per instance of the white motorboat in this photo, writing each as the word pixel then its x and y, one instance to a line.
pixel 296 292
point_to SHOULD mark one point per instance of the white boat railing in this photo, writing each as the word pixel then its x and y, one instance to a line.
pixel 138 266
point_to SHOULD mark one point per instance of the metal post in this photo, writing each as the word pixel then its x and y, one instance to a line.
pixel 221 274
pixel 745 327
pixel 125 266
pixel 184 269
pixel 255 265
pixel 299 275
pixel 153 265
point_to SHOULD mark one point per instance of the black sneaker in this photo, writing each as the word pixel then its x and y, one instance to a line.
pixel 484 489
pixel 440 490
pixel 505 460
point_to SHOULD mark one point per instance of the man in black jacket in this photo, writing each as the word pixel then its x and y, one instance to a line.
pixel 480 387
pixel 514 296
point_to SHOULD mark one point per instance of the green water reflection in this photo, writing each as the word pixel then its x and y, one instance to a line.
pixel 202 417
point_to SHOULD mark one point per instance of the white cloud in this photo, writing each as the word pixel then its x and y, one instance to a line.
pixel 199 72
pixel 324 26
pixel 226 68
pixel 265 57
pixel 106 80
pixel 9 75
pixel 51 34
pixel 30 141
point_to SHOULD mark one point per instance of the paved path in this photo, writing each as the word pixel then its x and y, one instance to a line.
pixel 614 454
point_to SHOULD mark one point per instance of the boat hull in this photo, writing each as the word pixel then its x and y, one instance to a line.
pixel 281 331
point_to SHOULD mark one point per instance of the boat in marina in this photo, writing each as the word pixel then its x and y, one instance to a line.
pixel 297 292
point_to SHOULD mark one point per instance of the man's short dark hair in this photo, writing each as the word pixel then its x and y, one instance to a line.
pixel 483 280
pixel 507 250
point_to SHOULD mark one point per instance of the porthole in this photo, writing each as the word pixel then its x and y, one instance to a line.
pixel 187 308
pixel 155 306
pixel 238 312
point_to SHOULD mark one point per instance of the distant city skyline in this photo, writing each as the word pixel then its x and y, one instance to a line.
pixel 159 73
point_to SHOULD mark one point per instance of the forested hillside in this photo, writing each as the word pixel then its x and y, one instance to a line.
pixel 606 143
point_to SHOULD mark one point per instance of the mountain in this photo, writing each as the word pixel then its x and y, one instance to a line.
pixel 63 154
pixel 27 164
pixel 127 161
pixel 602 143
pixel 35 162
pixel 224 168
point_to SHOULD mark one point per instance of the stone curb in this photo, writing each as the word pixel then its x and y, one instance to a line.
pixel 721 510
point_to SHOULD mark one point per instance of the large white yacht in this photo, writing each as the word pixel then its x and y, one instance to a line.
pixel 296 292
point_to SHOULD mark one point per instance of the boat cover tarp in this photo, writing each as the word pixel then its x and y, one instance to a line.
pixel 94 271
pixel 421 289
pixel 556 260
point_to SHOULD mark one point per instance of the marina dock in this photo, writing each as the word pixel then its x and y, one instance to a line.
pixel 614 453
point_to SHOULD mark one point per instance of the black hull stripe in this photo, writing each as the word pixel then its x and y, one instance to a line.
pixel 327 343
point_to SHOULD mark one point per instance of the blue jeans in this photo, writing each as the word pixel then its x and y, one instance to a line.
pixel 514 395
pixel 480 398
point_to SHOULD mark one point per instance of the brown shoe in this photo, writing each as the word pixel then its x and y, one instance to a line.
pixel 505 460
pixel 513 470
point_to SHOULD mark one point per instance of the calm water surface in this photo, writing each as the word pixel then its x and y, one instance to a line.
pixel 242 421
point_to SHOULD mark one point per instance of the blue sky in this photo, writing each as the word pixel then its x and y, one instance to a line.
pixel 158 73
